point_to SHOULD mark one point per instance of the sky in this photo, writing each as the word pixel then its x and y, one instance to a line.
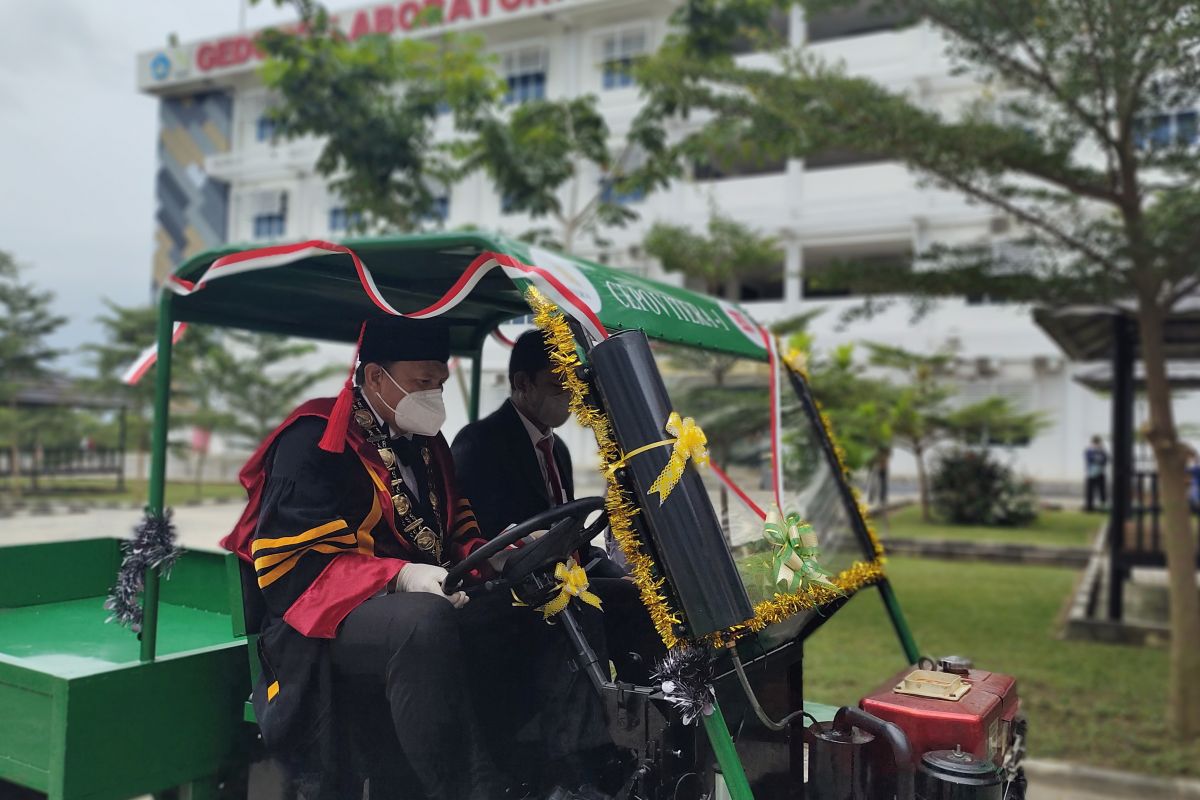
pixel 77 145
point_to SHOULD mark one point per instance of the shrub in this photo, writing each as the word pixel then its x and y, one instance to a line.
pixel 971 487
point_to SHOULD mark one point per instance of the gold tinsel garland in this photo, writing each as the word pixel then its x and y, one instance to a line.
pixel 561 344
pixel 850 580
pixel 782 606
pixel 794 361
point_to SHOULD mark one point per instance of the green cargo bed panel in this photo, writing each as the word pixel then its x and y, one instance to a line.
pixel 70 638
pixel 81 716
pixel 26 734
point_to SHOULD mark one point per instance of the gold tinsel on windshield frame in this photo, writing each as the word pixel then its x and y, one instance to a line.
pixel 561 344
pixel 563 354
pixel 795 361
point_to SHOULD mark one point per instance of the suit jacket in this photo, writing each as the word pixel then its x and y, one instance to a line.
pixel 497 469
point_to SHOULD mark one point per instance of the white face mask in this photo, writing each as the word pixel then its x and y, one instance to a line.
pixel 555 409
pixel 422 413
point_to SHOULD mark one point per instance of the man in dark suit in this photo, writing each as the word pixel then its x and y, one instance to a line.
pixel 512 466
pixel 510 463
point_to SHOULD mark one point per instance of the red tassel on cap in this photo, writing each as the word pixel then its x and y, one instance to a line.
pixel 334 438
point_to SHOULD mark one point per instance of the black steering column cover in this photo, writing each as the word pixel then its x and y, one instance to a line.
pixel 685 533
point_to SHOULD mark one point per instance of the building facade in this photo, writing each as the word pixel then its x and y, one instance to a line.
pixel 223 177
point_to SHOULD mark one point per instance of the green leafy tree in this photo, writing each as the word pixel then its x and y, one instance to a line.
pixel 26 321
pixel 126 332
pixel 375 101
pixel 542 157
pixel 919 405
pixel 993 420
pixel 727 252
pixel 260 382
pixel 1061 140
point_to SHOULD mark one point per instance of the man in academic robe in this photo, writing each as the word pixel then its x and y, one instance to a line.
pixel 353 518
pixel 512 466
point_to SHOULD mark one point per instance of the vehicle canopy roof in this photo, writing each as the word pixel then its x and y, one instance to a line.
pixel 319 290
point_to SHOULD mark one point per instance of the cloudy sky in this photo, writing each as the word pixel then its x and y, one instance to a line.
pixel 77 143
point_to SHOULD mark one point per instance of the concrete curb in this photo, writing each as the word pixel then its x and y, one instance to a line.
pixel 56 509
pixel 957 550
pixel 1063 775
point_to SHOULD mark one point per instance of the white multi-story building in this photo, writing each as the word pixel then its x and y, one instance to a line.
pixel 223 177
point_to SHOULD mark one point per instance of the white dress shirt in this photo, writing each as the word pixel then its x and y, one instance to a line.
pixel 536 436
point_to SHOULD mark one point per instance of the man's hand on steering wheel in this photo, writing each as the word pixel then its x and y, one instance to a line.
pixel 566 531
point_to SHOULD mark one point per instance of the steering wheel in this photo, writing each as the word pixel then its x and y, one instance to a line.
pixel 566 531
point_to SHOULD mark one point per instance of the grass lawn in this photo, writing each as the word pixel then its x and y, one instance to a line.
pixel 87 490
pixel 1051 528
pixel 1091 703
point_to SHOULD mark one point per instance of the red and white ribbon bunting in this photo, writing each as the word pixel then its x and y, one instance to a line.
pixel 147 357
pixel 282 255
pixel 776 418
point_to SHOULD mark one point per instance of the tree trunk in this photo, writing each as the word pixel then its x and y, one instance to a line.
pixel 14 486
pixel 1183 697
pixel 568 236
pixel 201 457
pixel 922 484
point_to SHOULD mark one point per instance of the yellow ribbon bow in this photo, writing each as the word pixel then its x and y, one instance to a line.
pixel 796 360
pixel 690 442
pixel 572 582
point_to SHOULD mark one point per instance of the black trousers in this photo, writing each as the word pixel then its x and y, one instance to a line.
pixel 1093 488
pixel 475 695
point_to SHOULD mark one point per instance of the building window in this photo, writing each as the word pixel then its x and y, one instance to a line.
pixel 508 204
pixel 610 194
pixel 771 36
pixel 1159 131
pixel 269 226
pixel 440 210
pixel 341 220
pixel 264 129
pixel 268 211
pixel 857 20
pixel 836 157
pixel 721 166
pixel 848 270
pixel 525 72
pixel 619 52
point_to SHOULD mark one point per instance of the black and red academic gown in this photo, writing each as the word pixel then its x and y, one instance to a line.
pixel 320 532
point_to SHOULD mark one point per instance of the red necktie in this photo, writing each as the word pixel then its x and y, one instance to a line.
pixel 546 446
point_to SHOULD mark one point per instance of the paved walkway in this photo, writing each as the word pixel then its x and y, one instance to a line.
pixel 199 527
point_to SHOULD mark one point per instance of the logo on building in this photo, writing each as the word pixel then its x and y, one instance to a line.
pixel 160 67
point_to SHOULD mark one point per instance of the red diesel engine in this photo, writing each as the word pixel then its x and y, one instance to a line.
pixel 953 707
pixel 950 732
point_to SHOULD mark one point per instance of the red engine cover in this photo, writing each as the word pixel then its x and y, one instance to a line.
pixel 981 721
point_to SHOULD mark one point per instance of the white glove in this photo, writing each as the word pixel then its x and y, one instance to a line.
pixel 427 578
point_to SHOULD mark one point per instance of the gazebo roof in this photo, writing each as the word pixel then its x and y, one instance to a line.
pixel 1085 333
pixel 1180 376
pixel 61 392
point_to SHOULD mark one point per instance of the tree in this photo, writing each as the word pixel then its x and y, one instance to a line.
pixel 259 382
pixel 26 321
pixel 1065 140
pixel 127 331
pixel 730 251
pixel 543 149
pixel 919 404
pixel 993 420
pixel 376 99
